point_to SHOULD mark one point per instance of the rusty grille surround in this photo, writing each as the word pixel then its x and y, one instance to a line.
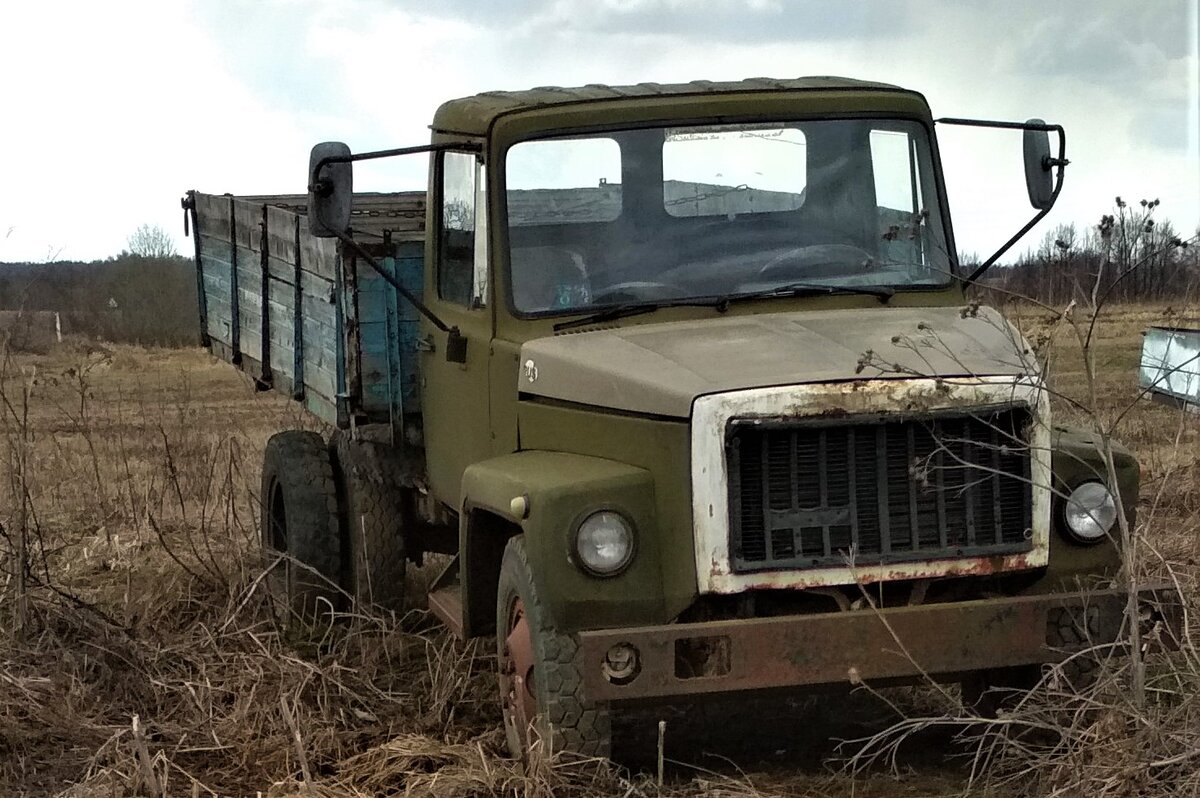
pixel 893 487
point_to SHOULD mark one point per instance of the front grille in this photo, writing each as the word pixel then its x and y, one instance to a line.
pixel 817 492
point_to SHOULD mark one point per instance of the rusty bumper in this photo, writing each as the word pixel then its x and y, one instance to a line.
pixel 678 660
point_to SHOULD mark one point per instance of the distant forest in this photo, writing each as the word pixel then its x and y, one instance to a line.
pixel 130 298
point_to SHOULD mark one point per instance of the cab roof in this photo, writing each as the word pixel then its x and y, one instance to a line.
pixel 474 115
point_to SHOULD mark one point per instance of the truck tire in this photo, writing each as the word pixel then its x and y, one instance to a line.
pixel 1075 631
pixel 373 513
pixel 554 714
pixel 300 521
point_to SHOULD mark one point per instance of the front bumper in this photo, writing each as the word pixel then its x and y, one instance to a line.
pixel 901 643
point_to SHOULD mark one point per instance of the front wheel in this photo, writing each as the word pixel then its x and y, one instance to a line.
pixel 541 688
pixel 1073 632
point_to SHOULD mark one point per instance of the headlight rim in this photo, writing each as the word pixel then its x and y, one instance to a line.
pixel 1067 531
pixel 577 527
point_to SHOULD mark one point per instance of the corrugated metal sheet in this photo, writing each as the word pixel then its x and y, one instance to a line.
pixel 1170 364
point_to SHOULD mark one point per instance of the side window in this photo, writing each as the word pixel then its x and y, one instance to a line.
pixel 895 173
pixel 456 244
pixel 898 192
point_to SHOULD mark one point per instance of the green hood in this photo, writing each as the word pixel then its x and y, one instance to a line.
pixel 660 368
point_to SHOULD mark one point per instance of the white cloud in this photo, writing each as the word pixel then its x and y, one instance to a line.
pixel 114 109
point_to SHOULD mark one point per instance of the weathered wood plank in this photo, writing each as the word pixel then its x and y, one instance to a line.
pixel 318 255
pixel 281 234
pixel 401 214
pixel 282 271
pixel 247 219
pixel 212 216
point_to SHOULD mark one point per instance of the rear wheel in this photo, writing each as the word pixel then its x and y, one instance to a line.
pixel 300 534
pixel 376 557
pixel 541 689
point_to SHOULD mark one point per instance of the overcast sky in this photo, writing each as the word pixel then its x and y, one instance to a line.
pixel 111 110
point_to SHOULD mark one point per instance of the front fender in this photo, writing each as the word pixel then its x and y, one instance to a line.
pixel 560 490
pixel 1077 458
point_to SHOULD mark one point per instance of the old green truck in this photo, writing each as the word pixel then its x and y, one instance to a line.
pixel 685 380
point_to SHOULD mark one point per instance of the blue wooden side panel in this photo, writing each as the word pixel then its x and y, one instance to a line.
pixel 284 307
pixel 374 297
pixel 387 335
pixel 410 270
pixel 229 230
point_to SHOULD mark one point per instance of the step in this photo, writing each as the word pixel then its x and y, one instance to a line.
pixel 446 603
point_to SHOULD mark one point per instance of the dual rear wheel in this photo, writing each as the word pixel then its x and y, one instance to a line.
pixel 331 533
pixel 301 536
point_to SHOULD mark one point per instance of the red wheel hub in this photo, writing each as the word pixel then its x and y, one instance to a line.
pixel 516 672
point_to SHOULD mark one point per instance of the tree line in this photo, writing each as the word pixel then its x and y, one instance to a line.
pixel 1128 256
pixel 145 295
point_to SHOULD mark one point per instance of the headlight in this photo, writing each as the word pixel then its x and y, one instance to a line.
pixel 1090 512
pixel 604 543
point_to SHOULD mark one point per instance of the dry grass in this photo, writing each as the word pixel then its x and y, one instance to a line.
pixel 1165 438
pixel 147 664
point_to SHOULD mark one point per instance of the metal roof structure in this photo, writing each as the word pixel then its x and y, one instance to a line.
pixel 474 115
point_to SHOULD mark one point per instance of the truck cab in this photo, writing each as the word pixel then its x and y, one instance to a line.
pixel 705 407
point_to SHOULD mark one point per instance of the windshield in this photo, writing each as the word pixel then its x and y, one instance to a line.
pixel 674 213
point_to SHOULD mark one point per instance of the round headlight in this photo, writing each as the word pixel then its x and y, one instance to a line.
pixel 604 543
pixel 1090 512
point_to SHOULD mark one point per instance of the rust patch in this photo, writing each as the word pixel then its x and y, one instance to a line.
pixel 896 643
pixel 867 573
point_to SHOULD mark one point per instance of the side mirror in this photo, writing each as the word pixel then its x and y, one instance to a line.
pixel 1039 180
pixel 330 190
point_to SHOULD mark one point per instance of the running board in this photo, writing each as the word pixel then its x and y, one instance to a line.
pixel 445 599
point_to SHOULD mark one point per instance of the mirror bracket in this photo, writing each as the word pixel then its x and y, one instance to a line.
pixel 330 198
pixel 1041 199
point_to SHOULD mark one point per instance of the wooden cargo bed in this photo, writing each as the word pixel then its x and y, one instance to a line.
pixel 303 317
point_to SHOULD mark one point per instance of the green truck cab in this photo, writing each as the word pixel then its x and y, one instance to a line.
pixel 685 379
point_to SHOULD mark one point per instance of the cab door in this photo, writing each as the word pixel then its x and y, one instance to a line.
pixel 454 389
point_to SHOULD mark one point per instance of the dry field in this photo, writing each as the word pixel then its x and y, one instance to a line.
pixel 146 664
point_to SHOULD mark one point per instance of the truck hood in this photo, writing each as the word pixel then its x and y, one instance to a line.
pixel 660 368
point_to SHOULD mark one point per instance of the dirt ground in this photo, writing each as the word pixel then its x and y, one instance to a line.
pixel 146 664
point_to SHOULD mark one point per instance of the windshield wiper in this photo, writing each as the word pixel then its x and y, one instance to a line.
pixel 628 309
pixel 610 314
pixel 722 302
pixel 882 292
